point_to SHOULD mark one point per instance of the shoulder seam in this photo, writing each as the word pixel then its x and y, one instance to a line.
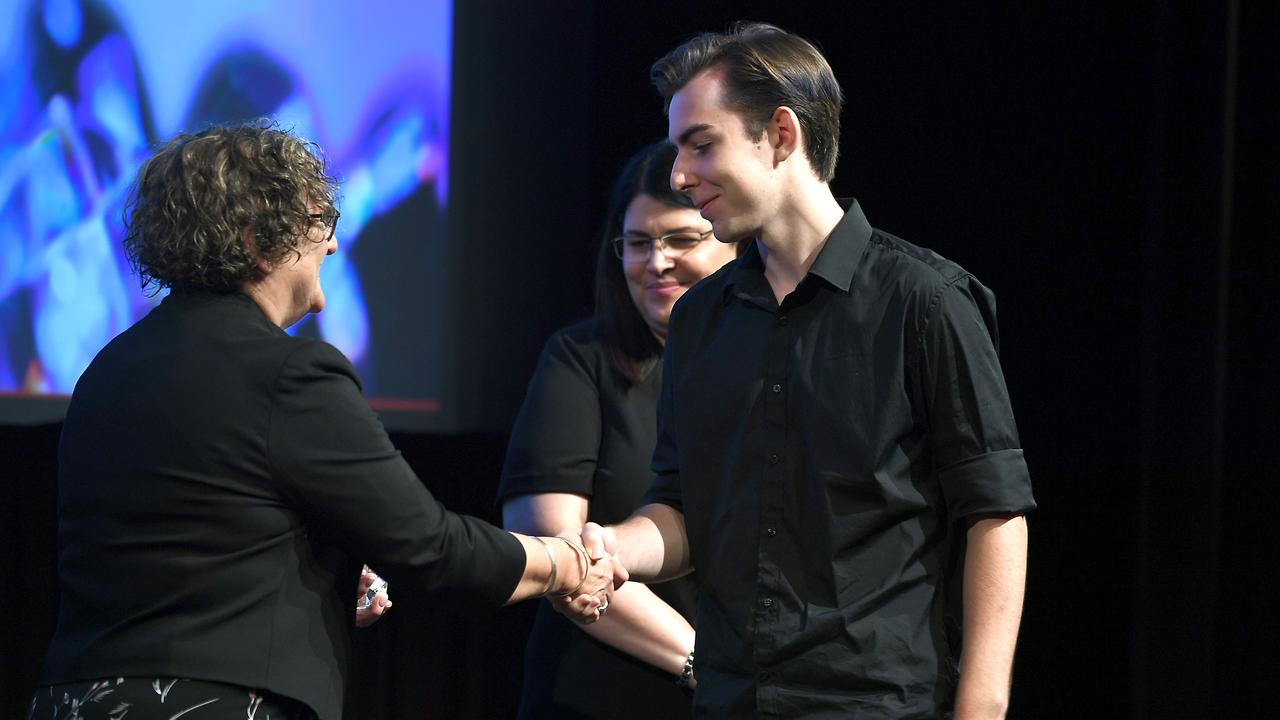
pixel 882 239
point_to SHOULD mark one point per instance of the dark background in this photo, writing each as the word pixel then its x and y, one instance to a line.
pixel 1109 169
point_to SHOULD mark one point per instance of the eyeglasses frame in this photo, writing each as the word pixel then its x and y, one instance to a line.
pixel 333 224
pixel 658 243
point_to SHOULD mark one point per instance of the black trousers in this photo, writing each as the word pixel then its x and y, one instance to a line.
pixel 135 698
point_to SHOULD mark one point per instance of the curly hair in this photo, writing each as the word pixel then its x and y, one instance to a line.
pixel 208 205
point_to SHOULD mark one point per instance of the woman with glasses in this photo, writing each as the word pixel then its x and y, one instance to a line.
pixel 581 447
pixel 220 482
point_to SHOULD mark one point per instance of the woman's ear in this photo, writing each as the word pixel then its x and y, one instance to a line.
pixel 249 239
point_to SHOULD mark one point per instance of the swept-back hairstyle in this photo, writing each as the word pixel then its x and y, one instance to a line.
pixel 764 68
pixel 193 201
pixel 633 350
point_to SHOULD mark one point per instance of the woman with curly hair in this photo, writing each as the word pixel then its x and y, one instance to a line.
pixel 220 482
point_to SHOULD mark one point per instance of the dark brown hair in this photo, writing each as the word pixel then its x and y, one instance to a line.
pixel 764 68
pixel 193 200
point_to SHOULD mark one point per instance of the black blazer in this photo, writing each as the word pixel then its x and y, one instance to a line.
pixel 220 483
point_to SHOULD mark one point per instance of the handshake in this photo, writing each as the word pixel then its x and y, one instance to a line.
pixel 579 583
pixel 600 570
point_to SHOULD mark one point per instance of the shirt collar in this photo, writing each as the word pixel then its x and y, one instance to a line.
pixel 842 252
pixel 836 261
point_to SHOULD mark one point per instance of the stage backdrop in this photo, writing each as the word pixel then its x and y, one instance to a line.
pixel 90 88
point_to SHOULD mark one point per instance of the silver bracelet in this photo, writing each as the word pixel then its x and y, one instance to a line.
pixel 586 567
pixel 686 675
pixel 551 581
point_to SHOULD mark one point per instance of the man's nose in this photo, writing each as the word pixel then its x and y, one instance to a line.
pixel 681 179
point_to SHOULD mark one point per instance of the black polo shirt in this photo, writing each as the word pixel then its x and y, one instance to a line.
pixel 824 453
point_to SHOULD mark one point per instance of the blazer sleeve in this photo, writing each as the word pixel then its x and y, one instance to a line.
pixel 335 464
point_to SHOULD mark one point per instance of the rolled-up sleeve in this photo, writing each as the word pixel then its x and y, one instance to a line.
pixel 978 461
pixel 335 464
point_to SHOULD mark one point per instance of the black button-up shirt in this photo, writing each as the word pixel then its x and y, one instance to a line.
pixel 824 453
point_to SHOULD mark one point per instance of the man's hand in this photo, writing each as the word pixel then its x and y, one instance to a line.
pixel 600 541
pixel 367 615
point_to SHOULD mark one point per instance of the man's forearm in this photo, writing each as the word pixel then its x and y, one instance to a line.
pixel 651 544
pixel 995 572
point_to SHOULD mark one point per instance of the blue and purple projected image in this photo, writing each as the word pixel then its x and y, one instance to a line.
pixel 90 88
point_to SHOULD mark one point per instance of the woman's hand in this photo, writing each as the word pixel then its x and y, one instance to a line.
pixel 589 599
pixel 368 614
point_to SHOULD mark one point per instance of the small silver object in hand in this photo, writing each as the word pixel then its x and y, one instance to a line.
pixel 378 587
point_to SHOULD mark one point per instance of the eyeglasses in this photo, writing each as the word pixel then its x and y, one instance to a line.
pixel 633 249
pixel 330 219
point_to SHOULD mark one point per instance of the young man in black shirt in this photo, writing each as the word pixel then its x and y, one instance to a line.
pixel 837 454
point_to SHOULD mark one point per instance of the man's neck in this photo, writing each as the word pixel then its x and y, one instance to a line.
pixel 791 241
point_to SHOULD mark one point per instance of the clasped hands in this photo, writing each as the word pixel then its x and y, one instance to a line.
pixel 604 575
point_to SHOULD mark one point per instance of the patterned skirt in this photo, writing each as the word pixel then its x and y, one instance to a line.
pixel 135 698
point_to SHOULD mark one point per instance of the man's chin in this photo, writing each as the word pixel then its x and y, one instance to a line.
pixel 729 232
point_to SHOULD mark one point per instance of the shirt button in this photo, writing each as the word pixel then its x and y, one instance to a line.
pixel 770 532
pixel 774 459
pixel 782 319
pixel 767 603
pixel 777 387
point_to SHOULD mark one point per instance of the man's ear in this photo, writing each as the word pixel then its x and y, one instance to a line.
pixel 784 133
pixel 251 247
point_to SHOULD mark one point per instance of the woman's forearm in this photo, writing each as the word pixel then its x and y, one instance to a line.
pixel 555 566
pixel 641 624
pixel 537 570
pixel 544 514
